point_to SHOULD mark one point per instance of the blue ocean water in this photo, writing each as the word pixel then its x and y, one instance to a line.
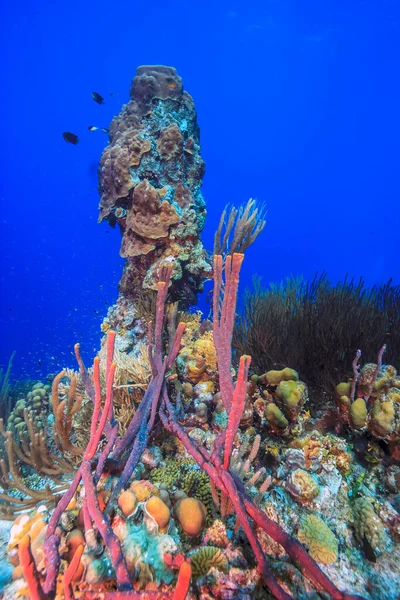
pixel 298 104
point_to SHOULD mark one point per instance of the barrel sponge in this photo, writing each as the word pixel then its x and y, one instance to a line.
pixel 358 413
pixel 320 540
pixel 382 418
pixel 368 526
pixel 207 557
pixel 275 377
pixel 275 416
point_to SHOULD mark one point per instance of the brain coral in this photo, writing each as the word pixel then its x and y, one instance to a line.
pixel 207 557
pixel 315 534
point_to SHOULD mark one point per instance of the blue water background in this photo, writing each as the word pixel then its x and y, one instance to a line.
pixel 298 104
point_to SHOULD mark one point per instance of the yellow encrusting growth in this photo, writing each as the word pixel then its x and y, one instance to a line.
pixel 322 543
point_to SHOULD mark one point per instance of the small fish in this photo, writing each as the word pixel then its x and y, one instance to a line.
pixel 70 137
pixel 97 98
pixel 94 128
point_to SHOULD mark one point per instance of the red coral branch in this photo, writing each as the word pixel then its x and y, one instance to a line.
pixel 183 583
pixel 235 414
pixel 223 320
pixel 29 568
pixel 70 573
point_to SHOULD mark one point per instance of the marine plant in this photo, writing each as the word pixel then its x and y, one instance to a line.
pixel 316 327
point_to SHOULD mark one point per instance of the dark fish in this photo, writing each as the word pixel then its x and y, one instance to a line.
pixel 97 98
pixel 368 550
pixel 94 128
pixel 70 137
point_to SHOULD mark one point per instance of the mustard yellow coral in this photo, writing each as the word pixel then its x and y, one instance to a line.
pixel 191 515
pixel 275 377
pixel 159 511
pixel 358 413
pixel 322 543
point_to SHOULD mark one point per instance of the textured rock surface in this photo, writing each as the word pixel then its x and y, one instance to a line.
pixel 149 179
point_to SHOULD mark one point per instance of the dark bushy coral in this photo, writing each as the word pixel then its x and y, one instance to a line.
pixel 316 328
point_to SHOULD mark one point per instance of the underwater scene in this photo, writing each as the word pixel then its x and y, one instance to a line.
pixel 200 300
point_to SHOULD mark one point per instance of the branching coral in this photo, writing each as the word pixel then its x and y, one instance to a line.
pixel 242 228
pixel 5 399
pixel 64 412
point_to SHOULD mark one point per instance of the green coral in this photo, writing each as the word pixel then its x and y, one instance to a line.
pixel 322 543
pixel 196 484
pixel 168 475
pixel 207 557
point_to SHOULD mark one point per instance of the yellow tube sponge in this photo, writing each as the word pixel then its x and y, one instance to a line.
pixel 322 543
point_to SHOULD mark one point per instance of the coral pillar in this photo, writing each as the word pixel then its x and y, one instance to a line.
pixel 150 177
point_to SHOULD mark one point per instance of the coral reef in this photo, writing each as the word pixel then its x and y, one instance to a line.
pixel 162 471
